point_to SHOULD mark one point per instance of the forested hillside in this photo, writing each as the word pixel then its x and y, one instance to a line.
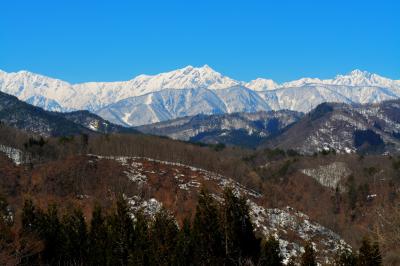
pixel 351 195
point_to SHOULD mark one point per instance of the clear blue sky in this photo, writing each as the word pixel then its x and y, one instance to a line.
pixel 84 40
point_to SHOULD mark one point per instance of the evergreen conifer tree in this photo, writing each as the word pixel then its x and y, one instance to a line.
pixel 345 257
pixel 120 226
pixel 28 217
pixel 369 254
pixel 270 253
pixel 50 230
pixel 98 251
pixel 207 236
pixel 29 243
pixel 6 235
pixel 163 236
pixel 240 241
pixel 184 246
pixel 352 192
pixel 308 257
pixel 140 252
pixel 75 234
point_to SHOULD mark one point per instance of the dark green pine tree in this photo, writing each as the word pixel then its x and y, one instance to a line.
pixel 120 226
pixel 163 236
pixel 76 238
pixel 369 254
pixel 308 257
pixel 50 231
pixel 184 246
pixel 29 236
pixel 140 252
pixel 352 192
pixel 29 217
pixel 98 251
pixel 337 200
pixel 271 253
pixel 240 242
pixel 207 236
pixel 345 257
pixel 6 236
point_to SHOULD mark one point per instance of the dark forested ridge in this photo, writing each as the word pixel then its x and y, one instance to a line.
pixel 217 234
pixel 19 114
pixel 345 128
pixel 237 129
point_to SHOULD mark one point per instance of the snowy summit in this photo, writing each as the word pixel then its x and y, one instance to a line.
pixel 192 90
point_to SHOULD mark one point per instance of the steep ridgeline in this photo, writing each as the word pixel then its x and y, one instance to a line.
pixel 21 115
pixel 96 123
pixel 174 103
pixel 371 128
pixel 190 91
pixel 242 129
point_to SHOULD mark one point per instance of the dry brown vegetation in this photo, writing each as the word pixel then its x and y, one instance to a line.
pixel 285 185
pixel 59 173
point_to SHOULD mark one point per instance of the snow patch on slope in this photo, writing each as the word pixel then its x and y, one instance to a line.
pixel 282 223
pixel 329 175
pixel 15 155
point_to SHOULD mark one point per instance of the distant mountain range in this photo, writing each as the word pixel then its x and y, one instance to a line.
pixel 21 115
pixel 239 129
pixel 343 128
pixel 338 127
pixel 191 91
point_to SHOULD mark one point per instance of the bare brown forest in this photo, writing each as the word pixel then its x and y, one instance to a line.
pixel 57 170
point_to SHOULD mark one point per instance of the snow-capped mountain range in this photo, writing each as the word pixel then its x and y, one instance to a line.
pixel 191 90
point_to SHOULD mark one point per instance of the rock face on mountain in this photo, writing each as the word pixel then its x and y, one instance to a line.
pixel 95 122
pixel 33 119
pixel 191 91
pixel 372 128
pixel 243 129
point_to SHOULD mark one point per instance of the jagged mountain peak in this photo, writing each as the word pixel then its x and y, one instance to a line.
pixel 184 78
pixel 191 70
pixel 355 77
pixel 194 84
pixel 204 68
pixel 24 75
pixel 358 72
pixel 199 71
pixel 359 77
pixel 301 82
pixel 261 84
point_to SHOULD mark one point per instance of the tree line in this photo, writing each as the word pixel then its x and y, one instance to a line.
pixel 38 150
pixel 220 233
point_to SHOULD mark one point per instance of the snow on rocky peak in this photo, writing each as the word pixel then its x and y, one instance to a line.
pixel 354 78
pixel 95 95
pixel 45 103
pixel 300 82
pixel 193 90
pixel 24 83
pixel 261 84
pixel 186 78
pixel 364 78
